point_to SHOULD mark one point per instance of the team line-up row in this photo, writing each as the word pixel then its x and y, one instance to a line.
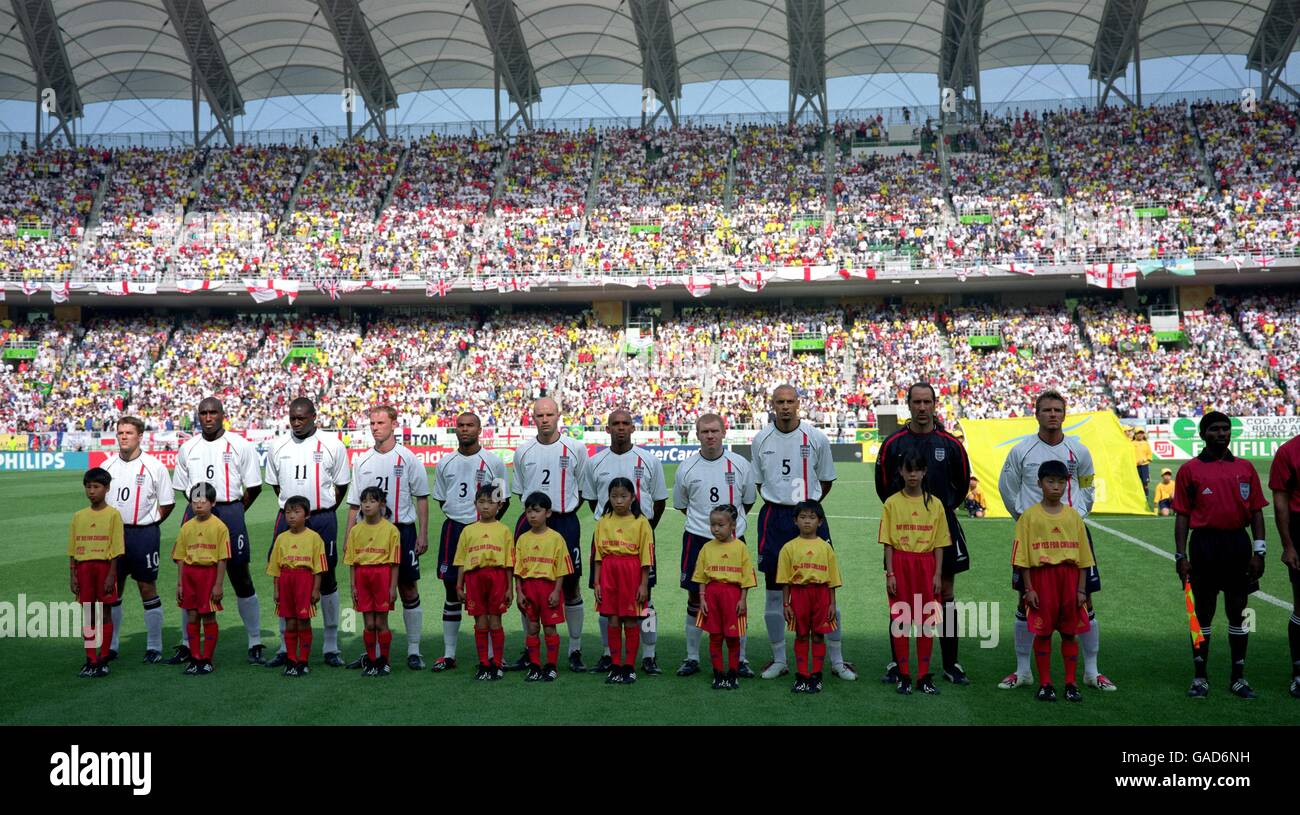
pixel 922 475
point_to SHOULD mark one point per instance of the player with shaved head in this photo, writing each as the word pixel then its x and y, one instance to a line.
pixel 456 482
pixel 312 464
pixel 556 465
pixel 622 459
pixel 228 462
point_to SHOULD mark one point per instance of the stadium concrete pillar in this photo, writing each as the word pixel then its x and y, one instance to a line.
pixel 194 102
pixel 347 86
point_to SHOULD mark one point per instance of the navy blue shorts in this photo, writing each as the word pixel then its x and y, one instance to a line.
pixel 141 559
pixel 776 528
pixel 1144 473
pixel 691 546
pixel 1168 504
pixel 569 527
pixel 1093 581
pixel 447 540
pixel 232 515
pixel 408 571
pixel 324 523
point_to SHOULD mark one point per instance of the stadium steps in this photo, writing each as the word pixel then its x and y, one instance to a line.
pixel 1094 351
pixel 499 180
pixel 196 191
pixel 597 167
pixel 830 155
pixel 1203 158
pixel 728 192
pixel 394 181
pixel 1058 186
pixel 287 215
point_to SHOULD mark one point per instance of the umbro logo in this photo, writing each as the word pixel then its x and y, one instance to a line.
pixel 1207 491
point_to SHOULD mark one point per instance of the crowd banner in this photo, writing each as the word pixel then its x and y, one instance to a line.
pixel 1118 489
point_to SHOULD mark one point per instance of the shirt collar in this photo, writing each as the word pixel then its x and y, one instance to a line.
pixel 1227 456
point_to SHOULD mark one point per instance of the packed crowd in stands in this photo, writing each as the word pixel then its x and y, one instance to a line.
pixel 45 199
pixel 1116 161
pixel 1040 348
pixel 1004 189
pixel 108 360
pixel 1272 323
pixel 1256 159
pixel 141 214
pixel 1239 355
pixel 659 200
pixel 1203 181
pixel 438 207
pixel 1216 370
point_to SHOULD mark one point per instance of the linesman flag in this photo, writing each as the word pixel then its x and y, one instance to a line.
pixel 1192 622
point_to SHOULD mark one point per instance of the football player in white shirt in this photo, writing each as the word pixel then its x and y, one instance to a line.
pixel 711 477
pixel 312 463
pixel 142 493
pixel 644 470
pixel 394 469
pixel 791 463
pixel 1018 486
pixel 455 483
pixel 556 465
pixel 230 464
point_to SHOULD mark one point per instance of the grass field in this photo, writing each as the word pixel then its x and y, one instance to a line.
pixel 1144 644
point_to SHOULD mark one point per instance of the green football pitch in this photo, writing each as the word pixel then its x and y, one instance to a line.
pixel 1144 644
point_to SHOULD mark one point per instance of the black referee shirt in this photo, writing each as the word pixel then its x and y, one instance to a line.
pixel 947 473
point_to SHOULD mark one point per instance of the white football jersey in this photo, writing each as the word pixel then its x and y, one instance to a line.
pixel 701 485
pixel 637 465
pixel 458 477
pixel 557 469
pixel 1018 483
pixel 140 486
pixel 309 467
pixel 789 467
pixel 398 473
pixel 229 463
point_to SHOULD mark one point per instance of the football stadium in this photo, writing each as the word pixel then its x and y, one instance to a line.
pixel 458 364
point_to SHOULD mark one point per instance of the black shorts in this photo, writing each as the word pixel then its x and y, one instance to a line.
pixel 408 571
pixel 956 558
pixel 776 528
pixel 1220 562
pixel 1093 581
pixel 1144 473
pixel 140 561
pixel 1168 504
pixel 691 546
pixel 232 515
pixel 323 522
pixel 972 508
pixel 447 540
pixel 569 527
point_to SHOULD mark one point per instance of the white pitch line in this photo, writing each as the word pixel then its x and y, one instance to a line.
pixel 1265 596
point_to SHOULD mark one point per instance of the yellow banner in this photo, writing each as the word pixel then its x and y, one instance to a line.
pixel 1118 488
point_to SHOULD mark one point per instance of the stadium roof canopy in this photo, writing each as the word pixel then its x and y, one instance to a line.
pixel 131 49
